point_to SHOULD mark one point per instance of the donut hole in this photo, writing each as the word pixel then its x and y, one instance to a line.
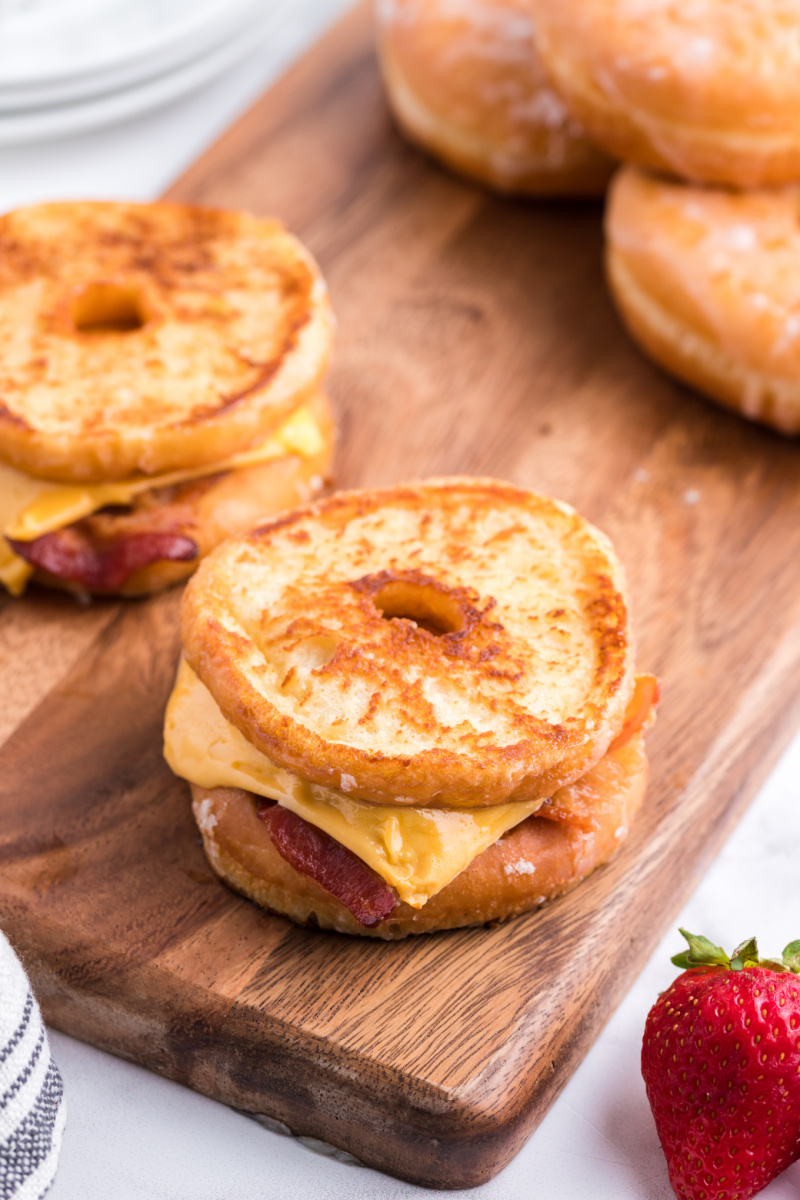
pixel 426 606
pixel 108 308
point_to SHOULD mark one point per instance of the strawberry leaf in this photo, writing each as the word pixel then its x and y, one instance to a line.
pixel 791 957
pixel 745 955
pixel 703 953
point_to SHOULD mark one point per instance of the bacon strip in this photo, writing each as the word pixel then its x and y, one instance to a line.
pixel 328 863
pixel 641 709
pixel 73 555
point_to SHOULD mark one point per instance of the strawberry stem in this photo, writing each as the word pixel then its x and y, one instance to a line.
pixel 703 953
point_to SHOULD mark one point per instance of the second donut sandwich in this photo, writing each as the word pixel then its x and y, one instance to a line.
pixel 162 371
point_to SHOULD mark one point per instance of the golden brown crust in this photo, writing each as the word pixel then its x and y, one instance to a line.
pixel 150 337
pixel 705 280
pixel 465 83
pixel 211 509
pixel 709 91
pixel 536 861
pixel 454 643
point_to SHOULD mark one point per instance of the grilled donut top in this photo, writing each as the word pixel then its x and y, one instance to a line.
pixel 453 643
pixel 148 337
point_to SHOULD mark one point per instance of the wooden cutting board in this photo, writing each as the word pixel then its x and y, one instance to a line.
pixel 475 336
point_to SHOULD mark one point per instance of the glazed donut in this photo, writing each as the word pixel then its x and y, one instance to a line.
pixel 546 855
pixel 706 282
pixel 705 90
pixel 149 338
pixel 204 511
pixel 465 83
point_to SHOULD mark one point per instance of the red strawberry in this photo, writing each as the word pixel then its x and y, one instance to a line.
pixel 721 1063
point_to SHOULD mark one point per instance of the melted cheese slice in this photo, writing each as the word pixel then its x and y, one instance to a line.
pixel 31 507
pixel 416 850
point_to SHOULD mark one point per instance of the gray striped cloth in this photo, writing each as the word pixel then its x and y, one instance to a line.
pixel 32 1108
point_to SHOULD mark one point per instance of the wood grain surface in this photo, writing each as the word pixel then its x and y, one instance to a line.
pixel 475 336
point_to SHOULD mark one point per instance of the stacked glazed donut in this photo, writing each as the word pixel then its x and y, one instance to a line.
pixel 701 102
pixel 465 82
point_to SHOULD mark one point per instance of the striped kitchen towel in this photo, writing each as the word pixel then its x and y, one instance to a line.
pixel 32 1108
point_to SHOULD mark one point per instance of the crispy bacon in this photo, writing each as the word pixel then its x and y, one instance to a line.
pixel 641 709
pixel 328 863
pixel 104 565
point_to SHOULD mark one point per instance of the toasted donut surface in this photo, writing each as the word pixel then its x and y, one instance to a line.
pixel 206 511
pixel 706 280
pixel 706 90
pixel 149 337
pixel 454 643
pixel 581 827
pixel 466 83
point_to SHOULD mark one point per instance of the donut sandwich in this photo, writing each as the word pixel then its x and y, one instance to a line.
pixel 410 709
pixel 161 389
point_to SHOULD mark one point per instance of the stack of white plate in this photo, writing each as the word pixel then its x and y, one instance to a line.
pixel 71 65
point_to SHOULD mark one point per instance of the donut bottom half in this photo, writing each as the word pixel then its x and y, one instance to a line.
pixel 687 352
pixel 210 509
pixel 537 860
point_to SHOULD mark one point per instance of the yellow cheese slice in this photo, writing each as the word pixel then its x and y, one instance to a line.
pixel 31 507
pixel 416 850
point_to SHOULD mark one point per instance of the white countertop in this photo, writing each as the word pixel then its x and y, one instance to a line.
pixel 133 1136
